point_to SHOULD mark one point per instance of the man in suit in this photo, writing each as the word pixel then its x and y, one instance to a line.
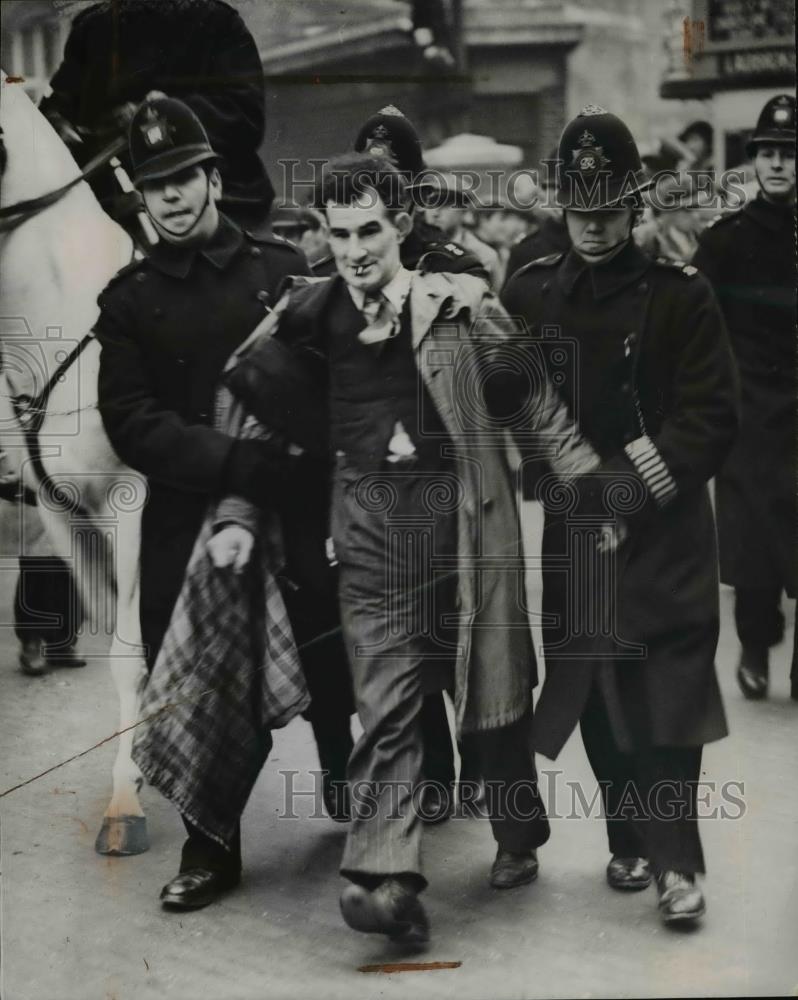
pixel 164 347
pixel 425 530
pixel 649 375
pixel 749 256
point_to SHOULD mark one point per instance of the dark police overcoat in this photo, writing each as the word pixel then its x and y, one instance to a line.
pixel 167 326
pixel 749 256
pixel 641 354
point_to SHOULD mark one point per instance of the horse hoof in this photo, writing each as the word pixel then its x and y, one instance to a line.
pixel 121 836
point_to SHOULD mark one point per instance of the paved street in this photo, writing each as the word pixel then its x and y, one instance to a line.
pixel 80 927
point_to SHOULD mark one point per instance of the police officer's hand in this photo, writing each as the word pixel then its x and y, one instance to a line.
pixel 123 114
pixel 232 546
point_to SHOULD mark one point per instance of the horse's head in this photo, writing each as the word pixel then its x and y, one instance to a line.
pixel 34 159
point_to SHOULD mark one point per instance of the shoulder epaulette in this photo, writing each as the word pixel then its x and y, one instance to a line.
pixel 723 217
pixel 547 261
pixel 135 265
pixel 271 239
pixel 677 265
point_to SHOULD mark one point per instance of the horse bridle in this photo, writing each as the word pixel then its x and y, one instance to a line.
pixel 31 411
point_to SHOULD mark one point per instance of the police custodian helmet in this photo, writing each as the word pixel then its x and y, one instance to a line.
pixel 390 134
pixel 166 137
pixel 776 124
pixel 599 164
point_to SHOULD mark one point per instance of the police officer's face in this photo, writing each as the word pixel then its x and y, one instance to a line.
pixel 445 217
pixel 597 234
pixel 365 240
pixel 183 205
pixel 775 169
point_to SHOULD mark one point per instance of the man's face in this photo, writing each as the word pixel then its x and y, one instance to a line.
pixel 183 205
pixel 596 234
pixel 775 171
pixel 445 217
pixel 365 240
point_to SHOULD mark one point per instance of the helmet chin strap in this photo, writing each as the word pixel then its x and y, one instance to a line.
pixel 181 236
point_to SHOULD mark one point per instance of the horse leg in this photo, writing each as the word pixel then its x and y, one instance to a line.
pixel 124 826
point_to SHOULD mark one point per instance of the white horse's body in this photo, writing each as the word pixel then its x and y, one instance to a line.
pixel 53 265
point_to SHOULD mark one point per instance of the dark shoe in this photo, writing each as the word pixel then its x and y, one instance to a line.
pixel 196 888
pixel 64 656
pixel 510 870
pixel 752 672
pixel 393 908
pixel 31 658
pixel 335 792
pixel 436 803
pixel 628 874
pixel 680 899
pixel 794 688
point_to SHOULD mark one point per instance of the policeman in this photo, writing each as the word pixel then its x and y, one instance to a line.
pixel 391 135
pixel 749 256
pixel 643 359
pixel 201 52
pixel 445 204
pixel 167 326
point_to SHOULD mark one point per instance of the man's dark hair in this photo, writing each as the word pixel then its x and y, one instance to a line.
pixel 346 179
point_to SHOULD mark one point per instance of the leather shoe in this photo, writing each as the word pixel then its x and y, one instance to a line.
pixel 628 874
pixel 193 889
pixel 436 803
pixel 752 672
pixel 31 658
pixel 393 908
pixel 510 869
pixel 680 899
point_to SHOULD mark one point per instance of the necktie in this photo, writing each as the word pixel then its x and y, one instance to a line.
pixel 381 317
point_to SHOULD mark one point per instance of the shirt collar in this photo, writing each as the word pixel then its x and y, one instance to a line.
pixel 606 278
pixel 396 291
pixel 219 250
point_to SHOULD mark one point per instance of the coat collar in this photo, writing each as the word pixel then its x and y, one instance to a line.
pixel 436 296
pixel 219 251
pixel 773 217
pixel 623 269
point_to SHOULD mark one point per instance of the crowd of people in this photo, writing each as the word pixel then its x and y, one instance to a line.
pixel 351 525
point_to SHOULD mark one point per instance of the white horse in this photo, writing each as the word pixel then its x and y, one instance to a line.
pixel 54 262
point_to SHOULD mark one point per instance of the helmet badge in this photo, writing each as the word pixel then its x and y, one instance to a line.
pixel 590 157
pixel 156 130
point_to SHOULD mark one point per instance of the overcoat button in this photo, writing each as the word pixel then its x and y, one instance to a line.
pixel 624 387
pixel 181 361
pixel 263 296
pixel 141 277
pixel 255 251
pixel 642 287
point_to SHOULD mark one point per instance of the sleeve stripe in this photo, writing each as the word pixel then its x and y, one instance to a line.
pixel 655 474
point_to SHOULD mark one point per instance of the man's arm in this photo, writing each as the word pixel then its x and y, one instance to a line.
pixel 514 377
pixel 157 441
pixel 702 417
